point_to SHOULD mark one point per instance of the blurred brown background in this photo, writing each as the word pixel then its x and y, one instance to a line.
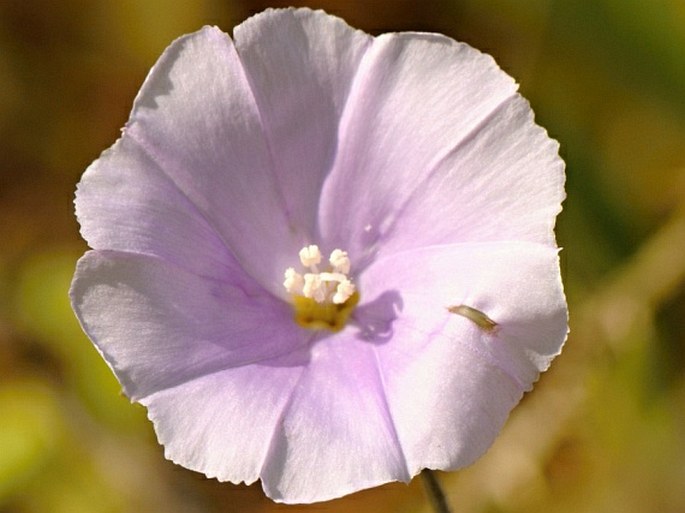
pixel 604 430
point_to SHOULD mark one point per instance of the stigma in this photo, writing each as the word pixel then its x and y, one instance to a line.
pixel 324 295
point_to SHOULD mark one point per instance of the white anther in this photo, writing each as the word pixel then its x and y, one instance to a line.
pixel 314 287
pixel 293 281
pixel 340 261
pixel 310 256
pixel 343 292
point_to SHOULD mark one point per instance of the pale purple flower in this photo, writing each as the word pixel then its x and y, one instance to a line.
pixel 413 157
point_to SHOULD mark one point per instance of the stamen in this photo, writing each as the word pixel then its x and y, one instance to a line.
pixel 314 287
pixel 322 298
pixel 310 256
pixel 293 281
pixel 340 261
pixel 332 277
pixel 343 292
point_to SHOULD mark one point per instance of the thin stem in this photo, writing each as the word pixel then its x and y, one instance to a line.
pixel 434 492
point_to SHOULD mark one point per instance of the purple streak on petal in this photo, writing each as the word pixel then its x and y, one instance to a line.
pixel 159 326
pixel 124 202
pixel 460 380
pixel 337 435
pixel 300 65
pixel 196 118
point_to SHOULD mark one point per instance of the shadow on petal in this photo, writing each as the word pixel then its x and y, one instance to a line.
pixel 375 319
pixel 159 80
pixel 372 322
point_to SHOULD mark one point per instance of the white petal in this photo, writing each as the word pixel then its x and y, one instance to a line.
pixel 505 182
pixel 337 436
pixel 451 383
pixel 435 145
pixel 300 64
pixel 159 326
pixel 196 118
pixel 222 424
pixel 125 202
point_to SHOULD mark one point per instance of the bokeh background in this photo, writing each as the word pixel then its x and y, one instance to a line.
pixel 603 431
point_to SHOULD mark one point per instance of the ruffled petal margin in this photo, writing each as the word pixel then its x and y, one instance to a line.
pixel 125 202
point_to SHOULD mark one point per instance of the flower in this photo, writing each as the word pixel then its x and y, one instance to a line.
pixel 322 259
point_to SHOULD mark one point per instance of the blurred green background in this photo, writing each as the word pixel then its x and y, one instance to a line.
pixel 604 430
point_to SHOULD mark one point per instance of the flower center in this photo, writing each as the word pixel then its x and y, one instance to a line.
pixel 322 298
